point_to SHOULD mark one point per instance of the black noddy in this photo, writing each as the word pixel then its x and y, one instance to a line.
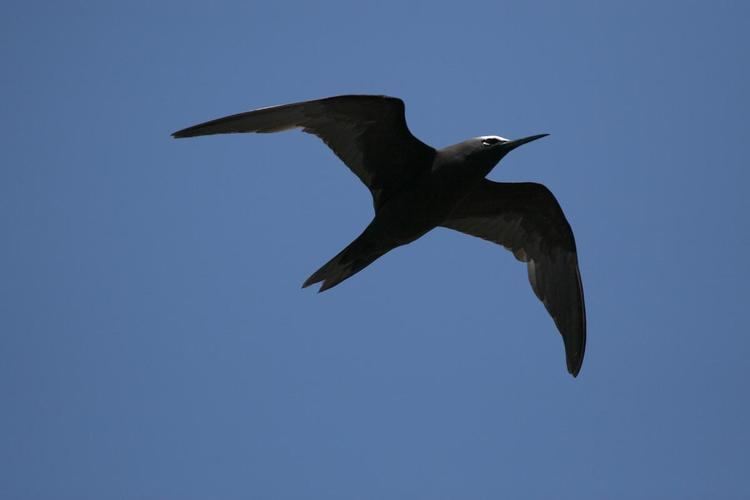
pixel 416 188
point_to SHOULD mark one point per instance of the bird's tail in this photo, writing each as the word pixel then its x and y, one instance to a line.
pixel 359 254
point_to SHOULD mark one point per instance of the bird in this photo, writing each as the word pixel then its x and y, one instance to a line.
pixel 416 188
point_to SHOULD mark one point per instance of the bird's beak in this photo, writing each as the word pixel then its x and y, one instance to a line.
pixel 511 145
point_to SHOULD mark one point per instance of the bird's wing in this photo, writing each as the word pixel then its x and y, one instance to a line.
pixel 368 133
pixel 526 219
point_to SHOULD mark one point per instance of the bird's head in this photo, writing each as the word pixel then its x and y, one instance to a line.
pixel 477 157
pixel 492 148
pixel 483 153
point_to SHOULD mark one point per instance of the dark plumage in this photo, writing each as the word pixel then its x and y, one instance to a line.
pixel 416 188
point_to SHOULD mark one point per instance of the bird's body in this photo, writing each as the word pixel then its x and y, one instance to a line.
pixel 416 188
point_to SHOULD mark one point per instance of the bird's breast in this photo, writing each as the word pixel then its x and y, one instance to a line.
pixel 417 209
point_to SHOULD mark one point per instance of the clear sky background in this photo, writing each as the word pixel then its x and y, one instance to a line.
pixel 154 339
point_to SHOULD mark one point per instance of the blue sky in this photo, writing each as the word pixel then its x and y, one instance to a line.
pixel 154 339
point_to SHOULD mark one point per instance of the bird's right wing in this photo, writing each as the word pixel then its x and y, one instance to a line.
pixel 527 220
pixel 368 133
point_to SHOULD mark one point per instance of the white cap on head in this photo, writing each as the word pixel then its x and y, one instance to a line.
pixel 501 139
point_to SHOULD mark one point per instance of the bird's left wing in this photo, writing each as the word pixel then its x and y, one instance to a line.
pixel 527 220
pixel 368 133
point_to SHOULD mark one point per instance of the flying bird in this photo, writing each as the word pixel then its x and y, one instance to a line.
pixel 416 188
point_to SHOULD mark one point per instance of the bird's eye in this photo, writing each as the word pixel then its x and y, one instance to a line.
pixel 489 141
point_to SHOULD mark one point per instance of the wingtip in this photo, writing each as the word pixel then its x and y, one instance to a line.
pixel 574 366
pixel 193 131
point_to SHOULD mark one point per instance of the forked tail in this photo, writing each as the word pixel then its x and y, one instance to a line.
pixel 358 255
